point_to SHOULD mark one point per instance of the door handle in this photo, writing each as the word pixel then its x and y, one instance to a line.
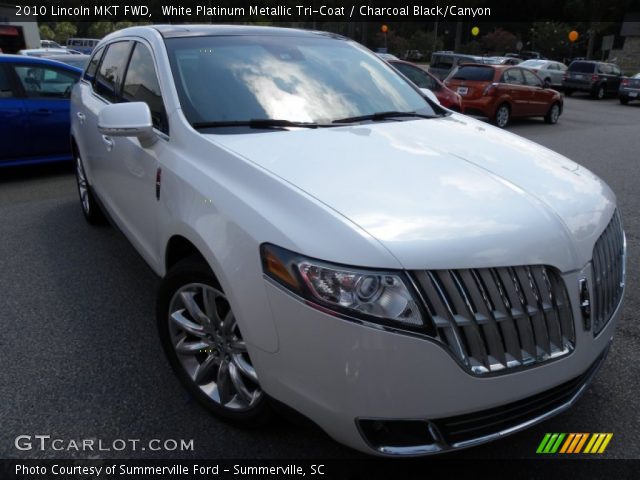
pixel 81 116
pixel 108 141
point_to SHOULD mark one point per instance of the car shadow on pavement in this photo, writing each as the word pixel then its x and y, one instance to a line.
pixel 28 172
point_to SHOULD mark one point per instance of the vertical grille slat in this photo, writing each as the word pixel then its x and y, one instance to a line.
pixel 608 273
pixel 497 319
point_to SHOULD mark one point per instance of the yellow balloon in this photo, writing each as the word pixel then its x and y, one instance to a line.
pixel 573 36
pixel 475 31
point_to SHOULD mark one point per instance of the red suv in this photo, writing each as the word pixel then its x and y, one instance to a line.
pixel 500 92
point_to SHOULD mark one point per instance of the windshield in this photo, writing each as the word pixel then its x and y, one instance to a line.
pixel 298 79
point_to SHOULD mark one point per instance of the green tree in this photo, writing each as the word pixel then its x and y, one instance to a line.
pixel 100 29
pixel 46 33
pixel 63 31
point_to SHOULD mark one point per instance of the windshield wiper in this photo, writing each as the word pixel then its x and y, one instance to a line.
pixel 259 123
pixel 382 116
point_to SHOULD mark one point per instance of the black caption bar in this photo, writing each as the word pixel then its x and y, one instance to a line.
pixel 232 11
pixel 369 469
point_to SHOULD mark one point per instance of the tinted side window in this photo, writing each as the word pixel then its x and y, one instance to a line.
pixel 141 85
pixel 417 76
pixel 530 79
pixel 109 77
pixel 513 77
pixel 6 90
pixel 45 82
pixel 92 68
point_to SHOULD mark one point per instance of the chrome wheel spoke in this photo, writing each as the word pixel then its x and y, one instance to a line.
pixel 224 383
pixel 189 301
pixel 245 367
pixel 191 348
pixel 187 325
pixel 209 346
pixel 238 383
pixel 237 346
pixel 228 323
pixel 205 368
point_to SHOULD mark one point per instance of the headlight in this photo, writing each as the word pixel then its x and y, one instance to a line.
pixel 382 297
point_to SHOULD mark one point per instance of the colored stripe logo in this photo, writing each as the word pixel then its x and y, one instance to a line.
pixel 574 443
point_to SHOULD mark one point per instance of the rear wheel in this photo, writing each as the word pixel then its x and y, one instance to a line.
pixel 90 207
pixel 503 113
pixel 205 347
pixel 553 114
pixel 624 100
pixel 598 94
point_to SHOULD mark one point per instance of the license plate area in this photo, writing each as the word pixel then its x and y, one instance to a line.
pixel 462 90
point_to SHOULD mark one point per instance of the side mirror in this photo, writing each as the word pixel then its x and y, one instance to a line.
pixel 131 119
pixel 430 95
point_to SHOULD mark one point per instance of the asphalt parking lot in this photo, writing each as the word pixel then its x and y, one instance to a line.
pixel 81 358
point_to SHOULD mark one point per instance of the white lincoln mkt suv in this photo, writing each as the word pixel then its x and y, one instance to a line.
pixel 331 239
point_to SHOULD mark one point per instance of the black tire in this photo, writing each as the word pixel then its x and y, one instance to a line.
pixel 90 208
pixel 189 271
pixel 624 100
pixel 568 92
pixel 553 114
pixel 599 93
pixel 547 83
pixel 502 116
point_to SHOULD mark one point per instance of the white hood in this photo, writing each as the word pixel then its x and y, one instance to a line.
pixel 443 193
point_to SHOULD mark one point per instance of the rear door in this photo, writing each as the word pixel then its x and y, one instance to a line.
pixel 47 90
pixel 13 117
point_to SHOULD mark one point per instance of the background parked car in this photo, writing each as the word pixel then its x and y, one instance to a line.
pixel 596 78
pixel 629 89
pixel 34 109
pixel 415 55
pixel 82 45
pixel 79 61
pixel 47 52
pixel 550 71
pixel 443 63
pixel 500 92
pixel 423 79
pixel 49 44
pixel 501 60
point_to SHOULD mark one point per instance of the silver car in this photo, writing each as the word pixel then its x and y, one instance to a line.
pixel 629 89
pixel 552 73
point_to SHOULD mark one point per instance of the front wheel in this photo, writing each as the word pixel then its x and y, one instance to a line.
pixel 553 114
pixel 205 347
pixel 624 100
pixel 568 92
pixel 90 208
pixel 501 118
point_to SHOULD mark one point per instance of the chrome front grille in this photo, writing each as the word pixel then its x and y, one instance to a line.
pixel 497 319
pixel 608 273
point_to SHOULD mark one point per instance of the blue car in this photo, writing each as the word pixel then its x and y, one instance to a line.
pixel 34 110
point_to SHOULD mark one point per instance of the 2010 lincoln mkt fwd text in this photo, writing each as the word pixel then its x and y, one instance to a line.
pixel 410 279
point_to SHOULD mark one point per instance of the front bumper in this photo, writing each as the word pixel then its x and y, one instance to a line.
pixel 336 372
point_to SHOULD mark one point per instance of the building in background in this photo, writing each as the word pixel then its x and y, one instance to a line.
pixel 628 57
pixel 15 34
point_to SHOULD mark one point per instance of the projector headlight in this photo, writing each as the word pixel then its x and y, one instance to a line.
pixel 378 296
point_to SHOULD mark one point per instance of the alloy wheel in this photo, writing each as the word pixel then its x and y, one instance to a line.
pixel 555 113
pixel 502 116
pixel 83 188
pixel 206 339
